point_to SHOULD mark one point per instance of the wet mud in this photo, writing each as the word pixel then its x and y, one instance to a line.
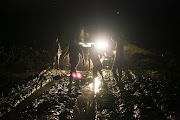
pixel 136 96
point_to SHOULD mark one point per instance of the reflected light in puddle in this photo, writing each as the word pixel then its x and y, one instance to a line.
pixel 97 84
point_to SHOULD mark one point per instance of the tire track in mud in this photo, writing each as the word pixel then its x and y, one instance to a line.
pixel 160 97
pixel 85 108
pixel 54 103
pixel 135 97
pixel 41 83
pixel 14 113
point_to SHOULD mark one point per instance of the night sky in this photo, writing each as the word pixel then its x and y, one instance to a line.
pixel 151 23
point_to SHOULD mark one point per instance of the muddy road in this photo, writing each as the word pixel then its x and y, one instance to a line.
pixel 148 90
pixel 135 97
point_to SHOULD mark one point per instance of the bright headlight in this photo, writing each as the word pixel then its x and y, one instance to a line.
pixel 101 45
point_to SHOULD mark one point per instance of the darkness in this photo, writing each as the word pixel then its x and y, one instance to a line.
pixel 151 24
pixel 28 56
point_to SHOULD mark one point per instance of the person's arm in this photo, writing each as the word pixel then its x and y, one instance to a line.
pixel 82 54
pixel 65 54
pixel 115 54
pixel 112 39
pixel 89 59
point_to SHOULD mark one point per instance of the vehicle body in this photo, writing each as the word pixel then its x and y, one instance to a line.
pixel 106 55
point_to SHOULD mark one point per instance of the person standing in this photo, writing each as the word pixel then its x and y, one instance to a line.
pixel 74 51
pixel 58 53
pixel 119 57
pixel 97 65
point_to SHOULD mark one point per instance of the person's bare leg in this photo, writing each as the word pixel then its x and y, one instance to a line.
pixel 100 72
pixel 120 82
pixel 94 76
pixel 115 74
pixel 104 83
pixel 73 69
pixel 58 60
pixel 70 82
pixel 54 63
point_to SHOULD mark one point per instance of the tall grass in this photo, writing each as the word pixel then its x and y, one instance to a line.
pixel 133 49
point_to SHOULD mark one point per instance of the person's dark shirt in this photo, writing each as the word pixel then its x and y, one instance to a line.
pixel 119 50
pixel 95 58
pixel 74 49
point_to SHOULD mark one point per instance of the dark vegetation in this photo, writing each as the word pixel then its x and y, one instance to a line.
pixel 157 64
pixel 20 64
pixel 18 60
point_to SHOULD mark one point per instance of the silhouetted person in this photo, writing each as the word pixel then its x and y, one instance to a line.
pixel 74 52
pixel 97 65
pixel 58 53
pixel 119 59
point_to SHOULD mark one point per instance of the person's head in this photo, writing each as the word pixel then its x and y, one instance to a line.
pixel 117 37
pixel 91 50
pixel 93 47
pixel 73 42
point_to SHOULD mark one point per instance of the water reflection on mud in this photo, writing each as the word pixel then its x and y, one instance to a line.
pixel 97 85
pixel 85 106
pixel 134 97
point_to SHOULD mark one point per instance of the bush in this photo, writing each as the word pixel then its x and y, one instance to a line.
pixel 15 59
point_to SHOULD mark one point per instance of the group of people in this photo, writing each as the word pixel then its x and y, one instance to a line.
pixel 75 51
